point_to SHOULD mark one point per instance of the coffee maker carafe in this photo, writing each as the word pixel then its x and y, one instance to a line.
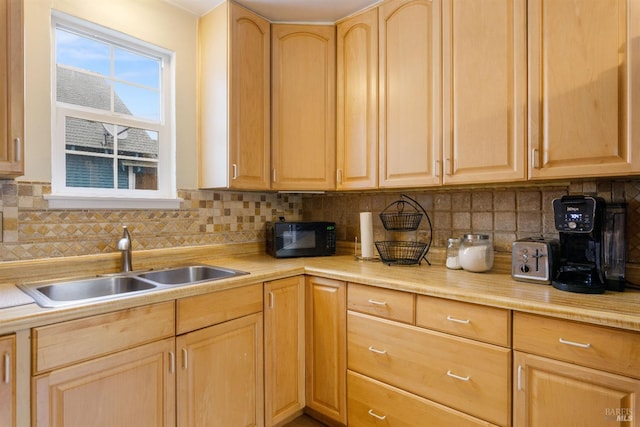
pixel 592 245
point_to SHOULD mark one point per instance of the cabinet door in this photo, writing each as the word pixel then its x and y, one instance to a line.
pixel 284 349
pixel 220 375
pixel 484 91
pixel 250 97
pixel 410 110
pixel 303 107
pixel 8 381
pixel 326 347
pixel 581 100
pixel 552 393
pixel 132 388
pixel 234 103
pixel 11 89
pixel 357 102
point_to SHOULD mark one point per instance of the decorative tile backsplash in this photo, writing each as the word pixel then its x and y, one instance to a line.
pixel 506 213
pixel 32 231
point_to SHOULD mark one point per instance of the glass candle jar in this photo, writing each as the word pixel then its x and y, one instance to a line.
pixel 476 253
pixel 453 247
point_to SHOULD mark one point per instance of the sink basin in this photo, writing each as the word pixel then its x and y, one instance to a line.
pixel 86 290
pixel 188 275
pixel 82 291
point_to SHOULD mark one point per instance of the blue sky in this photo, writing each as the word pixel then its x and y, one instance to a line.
pixel 136 78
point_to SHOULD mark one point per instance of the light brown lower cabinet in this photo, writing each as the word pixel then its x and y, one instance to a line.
pixel 134 387
pixel 402 373
pixel 326 348
pixel 569 373
pixel 220 359
pixel 548 392
pixel 220 375
pixel 8 381
pixel 114 369
pixel 374 403
pixel 284 349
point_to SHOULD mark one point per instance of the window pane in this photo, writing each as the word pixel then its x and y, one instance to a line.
pixel 137 175
pixel 135 68
pixel 88 136
pixel 137 142
pixel 75 87
pixel 138 102
pixel 82 52
pixel 90 172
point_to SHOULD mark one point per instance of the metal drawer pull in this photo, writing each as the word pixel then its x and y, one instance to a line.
pixel 373 414
pixel 375 350
pixel 185 355
pixel 519 377
pixel 458 377
pixel 172 362
pixel 453 319
pixel 374 302
pixel 575 344
pixel 7 368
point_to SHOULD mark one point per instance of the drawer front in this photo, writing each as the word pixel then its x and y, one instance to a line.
pixel 209 309
pixel 387 303
pixel 70 342
pixel 488 324
pixel 466 375
pixel 372 403
pixel 599 347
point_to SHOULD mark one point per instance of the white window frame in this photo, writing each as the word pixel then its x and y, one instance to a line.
pixel 79 197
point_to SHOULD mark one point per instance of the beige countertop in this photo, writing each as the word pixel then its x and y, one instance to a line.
pixel 497 289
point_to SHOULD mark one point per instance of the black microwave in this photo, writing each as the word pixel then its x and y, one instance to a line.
pixel 301 239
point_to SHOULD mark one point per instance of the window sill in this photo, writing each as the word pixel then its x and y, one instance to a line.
pixel 81 202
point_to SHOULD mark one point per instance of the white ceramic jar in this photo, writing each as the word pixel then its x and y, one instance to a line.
pixel 476 253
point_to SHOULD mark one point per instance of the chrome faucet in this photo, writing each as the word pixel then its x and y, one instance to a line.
pixel 124 245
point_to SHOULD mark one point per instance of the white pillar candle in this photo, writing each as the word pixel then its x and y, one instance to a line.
pixel 366 234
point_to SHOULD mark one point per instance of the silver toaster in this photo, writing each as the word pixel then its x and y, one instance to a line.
pixel 534 259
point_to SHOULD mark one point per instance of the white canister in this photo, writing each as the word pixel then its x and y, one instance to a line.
pixel 476 253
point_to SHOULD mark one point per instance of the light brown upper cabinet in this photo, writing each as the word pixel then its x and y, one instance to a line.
pixel 11 89
pixel 583 58
pixel 357 102
pixel 409 93
pixel 234 99
pixel 483 91
pixel 303 59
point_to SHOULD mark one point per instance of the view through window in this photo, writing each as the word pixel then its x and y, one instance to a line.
pixel 110 104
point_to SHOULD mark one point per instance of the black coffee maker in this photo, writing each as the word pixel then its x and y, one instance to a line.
pixel 592 244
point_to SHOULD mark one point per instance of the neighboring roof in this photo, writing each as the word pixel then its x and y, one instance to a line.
pixel 80 88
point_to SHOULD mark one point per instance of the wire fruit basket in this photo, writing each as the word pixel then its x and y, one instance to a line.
pixel 403 252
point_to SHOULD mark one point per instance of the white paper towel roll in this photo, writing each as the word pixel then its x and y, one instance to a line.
pixel 366 234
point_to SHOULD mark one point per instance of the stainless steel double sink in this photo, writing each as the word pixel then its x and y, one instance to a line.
pixel 109 287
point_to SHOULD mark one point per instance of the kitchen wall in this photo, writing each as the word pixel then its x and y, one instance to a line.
pixel 32 231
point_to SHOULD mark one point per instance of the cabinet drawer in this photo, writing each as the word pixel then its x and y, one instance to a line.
pixel 467 375
pixel 387 303
pixel 372 403
pixel 216 307
pixel 473 321
pixel 69 342
pixel 600 347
